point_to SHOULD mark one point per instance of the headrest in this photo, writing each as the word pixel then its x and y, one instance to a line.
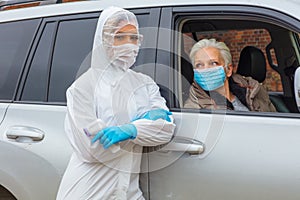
pixel 187 69
pixel 252 63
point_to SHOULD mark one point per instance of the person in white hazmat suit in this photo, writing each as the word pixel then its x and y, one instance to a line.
pixel 112 112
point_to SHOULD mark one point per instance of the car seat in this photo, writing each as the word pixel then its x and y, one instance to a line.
pixel 252 63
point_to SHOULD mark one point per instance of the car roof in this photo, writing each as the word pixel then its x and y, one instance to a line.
pixel 290 7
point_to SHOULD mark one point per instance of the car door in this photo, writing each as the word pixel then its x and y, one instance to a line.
pixel 224 154
pixel 15 38
pixel 32 132
pixel 34 123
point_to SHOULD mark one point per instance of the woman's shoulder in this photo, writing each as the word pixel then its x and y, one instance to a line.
pixel 244 80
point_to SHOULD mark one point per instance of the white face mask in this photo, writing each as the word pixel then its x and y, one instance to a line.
pixel 124 55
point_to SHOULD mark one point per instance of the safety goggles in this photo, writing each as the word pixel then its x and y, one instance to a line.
pixel 130 37
pixel 125 37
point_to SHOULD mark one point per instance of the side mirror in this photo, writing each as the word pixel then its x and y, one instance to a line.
pixel 297 87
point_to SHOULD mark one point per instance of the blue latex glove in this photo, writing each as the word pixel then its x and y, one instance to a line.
pixel 158 114
pixel 114 134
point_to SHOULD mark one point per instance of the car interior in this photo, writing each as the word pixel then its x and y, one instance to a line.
pixel 261 49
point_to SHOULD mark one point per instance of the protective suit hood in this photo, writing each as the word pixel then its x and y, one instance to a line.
pixel 110 21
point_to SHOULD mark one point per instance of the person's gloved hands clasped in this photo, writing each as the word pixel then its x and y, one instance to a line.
pixel 158 114
pixel 114 134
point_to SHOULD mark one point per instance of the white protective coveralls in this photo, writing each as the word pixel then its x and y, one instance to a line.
pixel 104 96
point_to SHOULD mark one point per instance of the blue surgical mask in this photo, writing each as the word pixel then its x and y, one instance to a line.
pixel 211 78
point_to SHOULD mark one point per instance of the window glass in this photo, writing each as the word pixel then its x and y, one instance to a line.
pixel 36 83
pixel 255 37
pixel 236 40
pixel 145 59
pixel 71 55
pixel 143 21
pixel 15 39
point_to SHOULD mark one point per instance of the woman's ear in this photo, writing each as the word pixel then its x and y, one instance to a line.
pixel 228 70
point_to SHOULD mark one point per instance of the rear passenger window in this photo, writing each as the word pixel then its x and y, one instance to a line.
pixel 71 56
pixel 63 54
pixel 15 40
pixel 36 85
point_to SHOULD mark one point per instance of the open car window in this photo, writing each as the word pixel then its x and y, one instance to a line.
pixel 276 43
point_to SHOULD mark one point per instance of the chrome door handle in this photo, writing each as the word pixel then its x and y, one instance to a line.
pixel 192 149
pixel 16 132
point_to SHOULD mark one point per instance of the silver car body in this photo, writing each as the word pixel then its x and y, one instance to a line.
pixel 213 155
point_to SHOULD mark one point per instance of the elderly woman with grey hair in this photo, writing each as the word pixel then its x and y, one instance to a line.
pixel 215 85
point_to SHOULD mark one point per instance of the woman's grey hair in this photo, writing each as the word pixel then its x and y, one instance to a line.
pixel 224 50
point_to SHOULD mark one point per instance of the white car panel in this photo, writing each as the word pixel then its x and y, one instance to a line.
pixel 49 156
pixel 3 108
pixel 253 158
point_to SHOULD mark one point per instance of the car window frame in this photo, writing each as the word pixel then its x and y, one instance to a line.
pixel 153 20
pixel 26 55
pixel 44 21
pixel 249 12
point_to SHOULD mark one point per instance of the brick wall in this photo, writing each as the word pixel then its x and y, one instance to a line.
pixel 236 41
